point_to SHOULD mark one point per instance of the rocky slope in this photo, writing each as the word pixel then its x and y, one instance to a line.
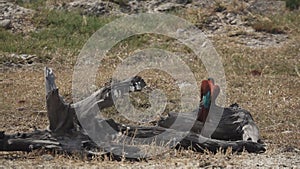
pixel 15 18
pixel 233 21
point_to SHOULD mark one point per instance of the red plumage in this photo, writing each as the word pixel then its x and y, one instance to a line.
pixel 207 85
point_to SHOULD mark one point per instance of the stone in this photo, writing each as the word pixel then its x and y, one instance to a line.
pixel 23 56
pixel 47 157
pixel 6 23
pixel 15 18
pixel 229 15
pixel 167 7
pixel 233 22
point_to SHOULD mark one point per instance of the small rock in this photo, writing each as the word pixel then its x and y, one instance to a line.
pixel 21 108
pixel 23 56
pixel 255 73
pixel 167 7
pixel 5 23
pixel 47 157
pixel 233 22
pixel 21 101
pixel 229 15
pixel 290 149
pixel 220 15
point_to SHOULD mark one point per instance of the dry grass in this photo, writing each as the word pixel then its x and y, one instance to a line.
pixel 272 97
pixel 266 25
pixel 262 80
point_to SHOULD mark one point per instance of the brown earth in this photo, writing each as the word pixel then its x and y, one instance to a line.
pixel 263 79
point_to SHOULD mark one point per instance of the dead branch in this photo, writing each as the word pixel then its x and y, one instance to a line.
pixel 66 134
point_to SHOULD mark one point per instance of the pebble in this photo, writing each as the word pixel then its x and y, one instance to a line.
pixel 167 7
pixel 5 23
pixel 47 157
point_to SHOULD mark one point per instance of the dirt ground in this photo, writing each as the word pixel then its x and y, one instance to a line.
pixel 272 99
pixel 264 80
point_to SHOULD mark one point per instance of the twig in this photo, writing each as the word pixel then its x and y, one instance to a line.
pixel 297 71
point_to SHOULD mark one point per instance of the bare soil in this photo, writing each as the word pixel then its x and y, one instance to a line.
pixel 264 80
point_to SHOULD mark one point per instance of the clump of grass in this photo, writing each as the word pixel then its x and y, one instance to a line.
pixel 278 24
pixel 234 6
pixel 61 31
pixel 57 2
pixel 292 4
pixel 267 26
pixel 32 4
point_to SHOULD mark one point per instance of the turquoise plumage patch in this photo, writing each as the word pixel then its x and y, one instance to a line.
pixel 206 100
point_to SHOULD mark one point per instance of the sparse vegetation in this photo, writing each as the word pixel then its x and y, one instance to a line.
pixel 266 25
pixel 219 7
pixel 292 4
pixel 282 23
pixel 271 95
pixel 57 32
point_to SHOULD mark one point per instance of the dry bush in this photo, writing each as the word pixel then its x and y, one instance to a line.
pixel 266 25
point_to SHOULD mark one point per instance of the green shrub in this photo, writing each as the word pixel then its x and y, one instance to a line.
pixel 292 4
pixel 57 32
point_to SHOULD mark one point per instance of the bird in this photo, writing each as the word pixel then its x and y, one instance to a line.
pixel 233 123
pixel 209 93
pixel 236 123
